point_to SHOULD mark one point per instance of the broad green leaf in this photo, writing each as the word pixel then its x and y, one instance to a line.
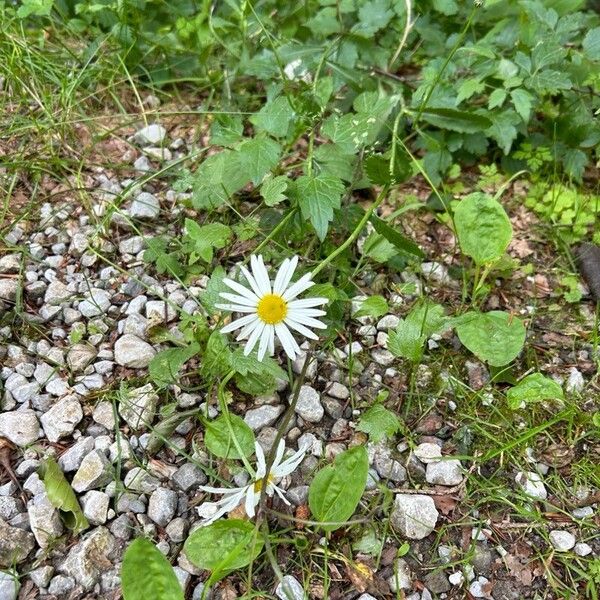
pixel 523 102
pixel 257 156
pixel 392 235
pixel 223 546
pixel 218 178
pixel 216 359
pixel 373 306
pixel 61 495
pixel 378 248
pixel 165 261
pixel 273 188
pixel 337 489
pixel 348 132
pixel 483 228
pixel 38 8
pixel 468 88
pixel 200 240
pixel 373 15
pixel 456 120
pixel 382 170
pixel 165 366
pixel 533 388
pixel 379 423
pixel 495 337
pixel 504 128
pixel 591 44
pixel 210 297
pixel 227 130
pixel 334 162
pixel 146 573
pixel 275 117
pixel 549 81
pixel 318 196
pixel 220 434
pixel 255 377
pixel 497 98
pixel 446 7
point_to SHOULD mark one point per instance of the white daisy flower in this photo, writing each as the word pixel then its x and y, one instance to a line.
pixel 272 308
pixel 250 494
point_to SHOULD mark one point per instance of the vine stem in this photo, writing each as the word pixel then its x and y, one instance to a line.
pixel 354 235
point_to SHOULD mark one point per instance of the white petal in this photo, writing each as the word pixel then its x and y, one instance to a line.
pixel 264 341
pixel 306 312
pixel 260 274
pixel 240 289
pixel 301 329
pixel 299 318
pixel 239 323
pixel 238 299
pixel 261 465
pixel 290 464
pixel 285 276
pixel 307 302
pixel 252 500
pixel 248 329
pixel 281 494
pixel 278 456
pixel 271 340
pixel 254 338
pixel 236 308
pixel 302 284
pixel 287 340
pixel 251 281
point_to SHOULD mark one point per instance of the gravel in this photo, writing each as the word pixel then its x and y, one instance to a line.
pixel 290 589
pixel 138 407
pixel 563 541
pixel 150 135
pixel 133 352
pixel 263 416
pixel 60 421
pixel 531 483
pixel 20 427
pixel 414 515
pixel 15 544
pixel 309 405
pixel 444 472
pixel 162 506
pixel 94 472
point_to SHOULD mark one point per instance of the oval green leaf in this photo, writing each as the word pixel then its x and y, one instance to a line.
pixel 337 489
pixel 495 337
pixel 146 573
pixel 483 228
pixel 224 546
pixel 533 388
pixel 220 434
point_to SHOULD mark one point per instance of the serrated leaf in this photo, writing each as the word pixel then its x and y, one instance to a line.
pixel 257 156
pixel 318 196
pixel 523 102
pixel 549 81
pixel 165 366
pixel 456 120
pixel 383 170
pixel 468 88
pixel 227 130
pixel 373 306
pixel 336 489
pixel 591 44
pixel 165 261
pixel 272 189
pixel 495 337
pixel 210 297
pixel 497 98
pixel 146 573
pixel 334 162
pixel 395 237
pixel 200 240
pixel 223 546
pixel 503 128
pixel 254 377
pixel 220 434
pixel 379 423
pixel 533 388
pixel 483 228
pixel 216 359
pixel 218 178
pixel 275 117
pixel 446 7
pixel 62 496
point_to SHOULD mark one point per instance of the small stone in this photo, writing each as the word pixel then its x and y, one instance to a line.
pixel 414 516
pixel 142 164
pixel 150 135
pixel 139 480
pixel 60 421
pixel 437 582
pixel 575 382
pixel 44 520
pixel 444 472
pixel 562 541
pixel 96 303
pixel 21 427
pixel 428 452
pixel 70 460
pixel 290 589
pixel 10 263
pixel 162 506
pixel 189 476
pixel 532 484
pixel 158 153
pixel 383 357
pixel 582 549
pixel 42 575
pixel 436 272
pixel 337 390
pixel 80 356
pixel 133 352
pixel 9 507
pixel 309 405
pixel 456 578
pixel 401 579
pixel 132 245
pixel 144 206
pixel 9 289
pixel 139 406
pixel 263 416
pixel 15 544
pixel 95 472
pixel 177 530
pixel 104 415
pixel 388 322
pixel 95 507
pixel 60 586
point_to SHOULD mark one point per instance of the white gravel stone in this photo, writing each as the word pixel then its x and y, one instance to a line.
pixel 9 586
pixel 414 515
pixel 290 589
pixel 95 507
pixel 532 484
pixel 144 206
pixel 428 452
pixel 337 390
pixel 94 472
pixel 444 472
pixel 263 416
pixel 44 520
pixel 388 322
pixel 70 460
pixel 139 406
pixel 563 541
pixel 139 480
pixel 575 382
pixel 582 549
pixel 10 263
pixel 21 427
pixel 96 303
pixel 162 506
pixel 80 356
pixel 133 352
pixel 104 415
pixel 309 405
pixel 60 421
pixel 150 135
pixel 402 578
pixel 9 289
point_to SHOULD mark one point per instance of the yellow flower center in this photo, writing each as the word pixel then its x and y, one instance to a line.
pixel 258 485
pixel 272 309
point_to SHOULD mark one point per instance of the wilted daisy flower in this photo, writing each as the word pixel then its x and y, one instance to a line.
pixel 272 309
pixel 250 494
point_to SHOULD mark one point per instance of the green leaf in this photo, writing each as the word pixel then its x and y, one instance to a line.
pixel 216 359
pixel 497 98
pixel 164 366
pixel 255 377
pixel 166 262
pixel 200 240
pixel 258 156
pixel 220 434
pixel 38 8
pixel 468 88
pixel 272 189
pixel 218 178
pixel 146 573
pixel 223 546
pixel 533 388
pixel 374 306
pixel 336 489
pixel 591 44
pixel 333 161
pixel 382 170
pixel 495 337
pixel 379 423
pixel 210 297
pixel 523 102
pixel 456 120
pixel 503 129
pixel 318 196
pixel 61 495
pixel 446 7
pixel 227 130
pixel 392 235
pixel 483 228
pixel 549 81
pixel 275 117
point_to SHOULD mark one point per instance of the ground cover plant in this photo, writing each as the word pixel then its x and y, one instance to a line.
pixel 289 299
